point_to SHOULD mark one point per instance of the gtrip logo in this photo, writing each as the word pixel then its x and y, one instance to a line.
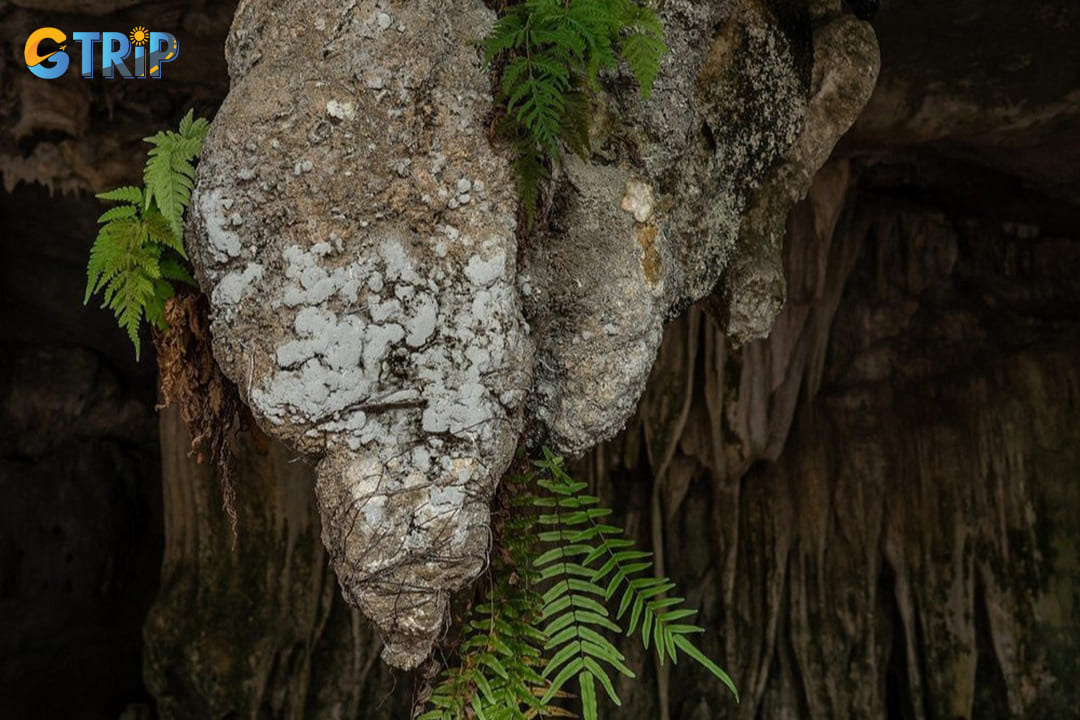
pixel 47 57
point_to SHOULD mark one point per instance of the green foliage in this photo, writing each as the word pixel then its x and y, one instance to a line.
pixel 169 173
pixel 139 250
pixel 554 51
pixel 543 632
pixel 501 656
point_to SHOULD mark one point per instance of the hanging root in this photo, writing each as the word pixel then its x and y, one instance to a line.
pixel 209 402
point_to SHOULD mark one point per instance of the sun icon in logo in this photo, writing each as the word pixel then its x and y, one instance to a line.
pixel 139 35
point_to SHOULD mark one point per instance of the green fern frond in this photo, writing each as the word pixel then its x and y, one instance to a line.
pixel 131 288
pixel 160 231
pixel 118 213
pixel 613 559
pixel 169 173
pixel 554 50
pixel 576 123
pixel 500 661
pixel 530 170
pixel 139 250
pixel 155 305
pixel 174 269
pixel 127 193
pixel 111 253
pixel 642 52
pixel 193 127
pixel 509 33
pixel 548 630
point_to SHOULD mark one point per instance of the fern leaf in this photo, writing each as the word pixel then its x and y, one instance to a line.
pixel 127 193
pixel 175 270
pixel 155 306
pixel 642 53
pixel 554 48
pixel 130 293
pixel 125 268
pixel 587 684
pixel 118 213
pixel 575 124
pixel 161 232
pixel 684 644
pixel 170 174
pixel 138 252
pixel 531 172
pixel 105 256
pixel 549 628
pixel 654 615
pixel 509 33
pixel 163 187
pixel 194 128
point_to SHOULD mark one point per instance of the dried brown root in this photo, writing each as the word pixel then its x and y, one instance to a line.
pixel 209 402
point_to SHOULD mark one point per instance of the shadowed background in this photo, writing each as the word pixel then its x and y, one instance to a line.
pixel 875 509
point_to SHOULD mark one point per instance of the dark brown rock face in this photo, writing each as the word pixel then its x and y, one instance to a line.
pixel 875 508
pixel 80 500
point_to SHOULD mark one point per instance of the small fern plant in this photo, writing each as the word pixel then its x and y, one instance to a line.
pixel 564 583
pixel 139 250
pixel 554 51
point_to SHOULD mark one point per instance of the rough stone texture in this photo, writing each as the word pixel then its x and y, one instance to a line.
pixel 355 232
pixel 697 184
pixel 259 630
pixel 875 508
pixel 592 292
pixel 844 74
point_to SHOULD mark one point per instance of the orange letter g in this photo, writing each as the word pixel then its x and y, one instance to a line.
pixel 34 60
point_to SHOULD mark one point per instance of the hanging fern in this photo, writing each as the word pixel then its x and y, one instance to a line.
pixel 139 250
pixel 554 51
pixel 498 675
pixel 543 632
pixel 169 173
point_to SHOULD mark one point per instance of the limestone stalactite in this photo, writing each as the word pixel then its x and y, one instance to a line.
pixel 355 230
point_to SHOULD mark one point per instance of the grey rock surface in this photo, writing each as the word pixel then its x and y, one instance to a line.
pixel 594 296
pixel 720 152
pixel 753 288
pixel 356 232
pixel 369 318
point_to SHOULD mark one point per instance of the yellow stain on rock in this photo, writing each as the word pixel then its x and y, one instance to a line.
pixel 650 256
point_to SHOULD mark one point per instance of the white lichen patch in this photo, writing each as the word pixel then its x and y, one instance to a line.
pixel 233 287
pixel 482 272
pixel 421 326
pixel 368 328
pixel 638 200
pixel 341 110
pixel 223 242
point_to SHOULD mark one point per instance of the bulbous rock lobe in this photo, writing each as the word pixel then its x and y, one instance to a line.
pixel 355 232
pixel 741 117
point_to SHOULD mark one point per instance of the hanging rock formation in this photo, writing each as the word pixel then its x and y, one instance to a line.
pixel 729 141
pixel 355 230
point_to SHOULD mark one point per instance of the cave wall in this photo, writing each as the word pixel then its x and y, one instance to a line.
pixel 875 508
pixel 259 629
pixel 80 493
pixel 81 525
